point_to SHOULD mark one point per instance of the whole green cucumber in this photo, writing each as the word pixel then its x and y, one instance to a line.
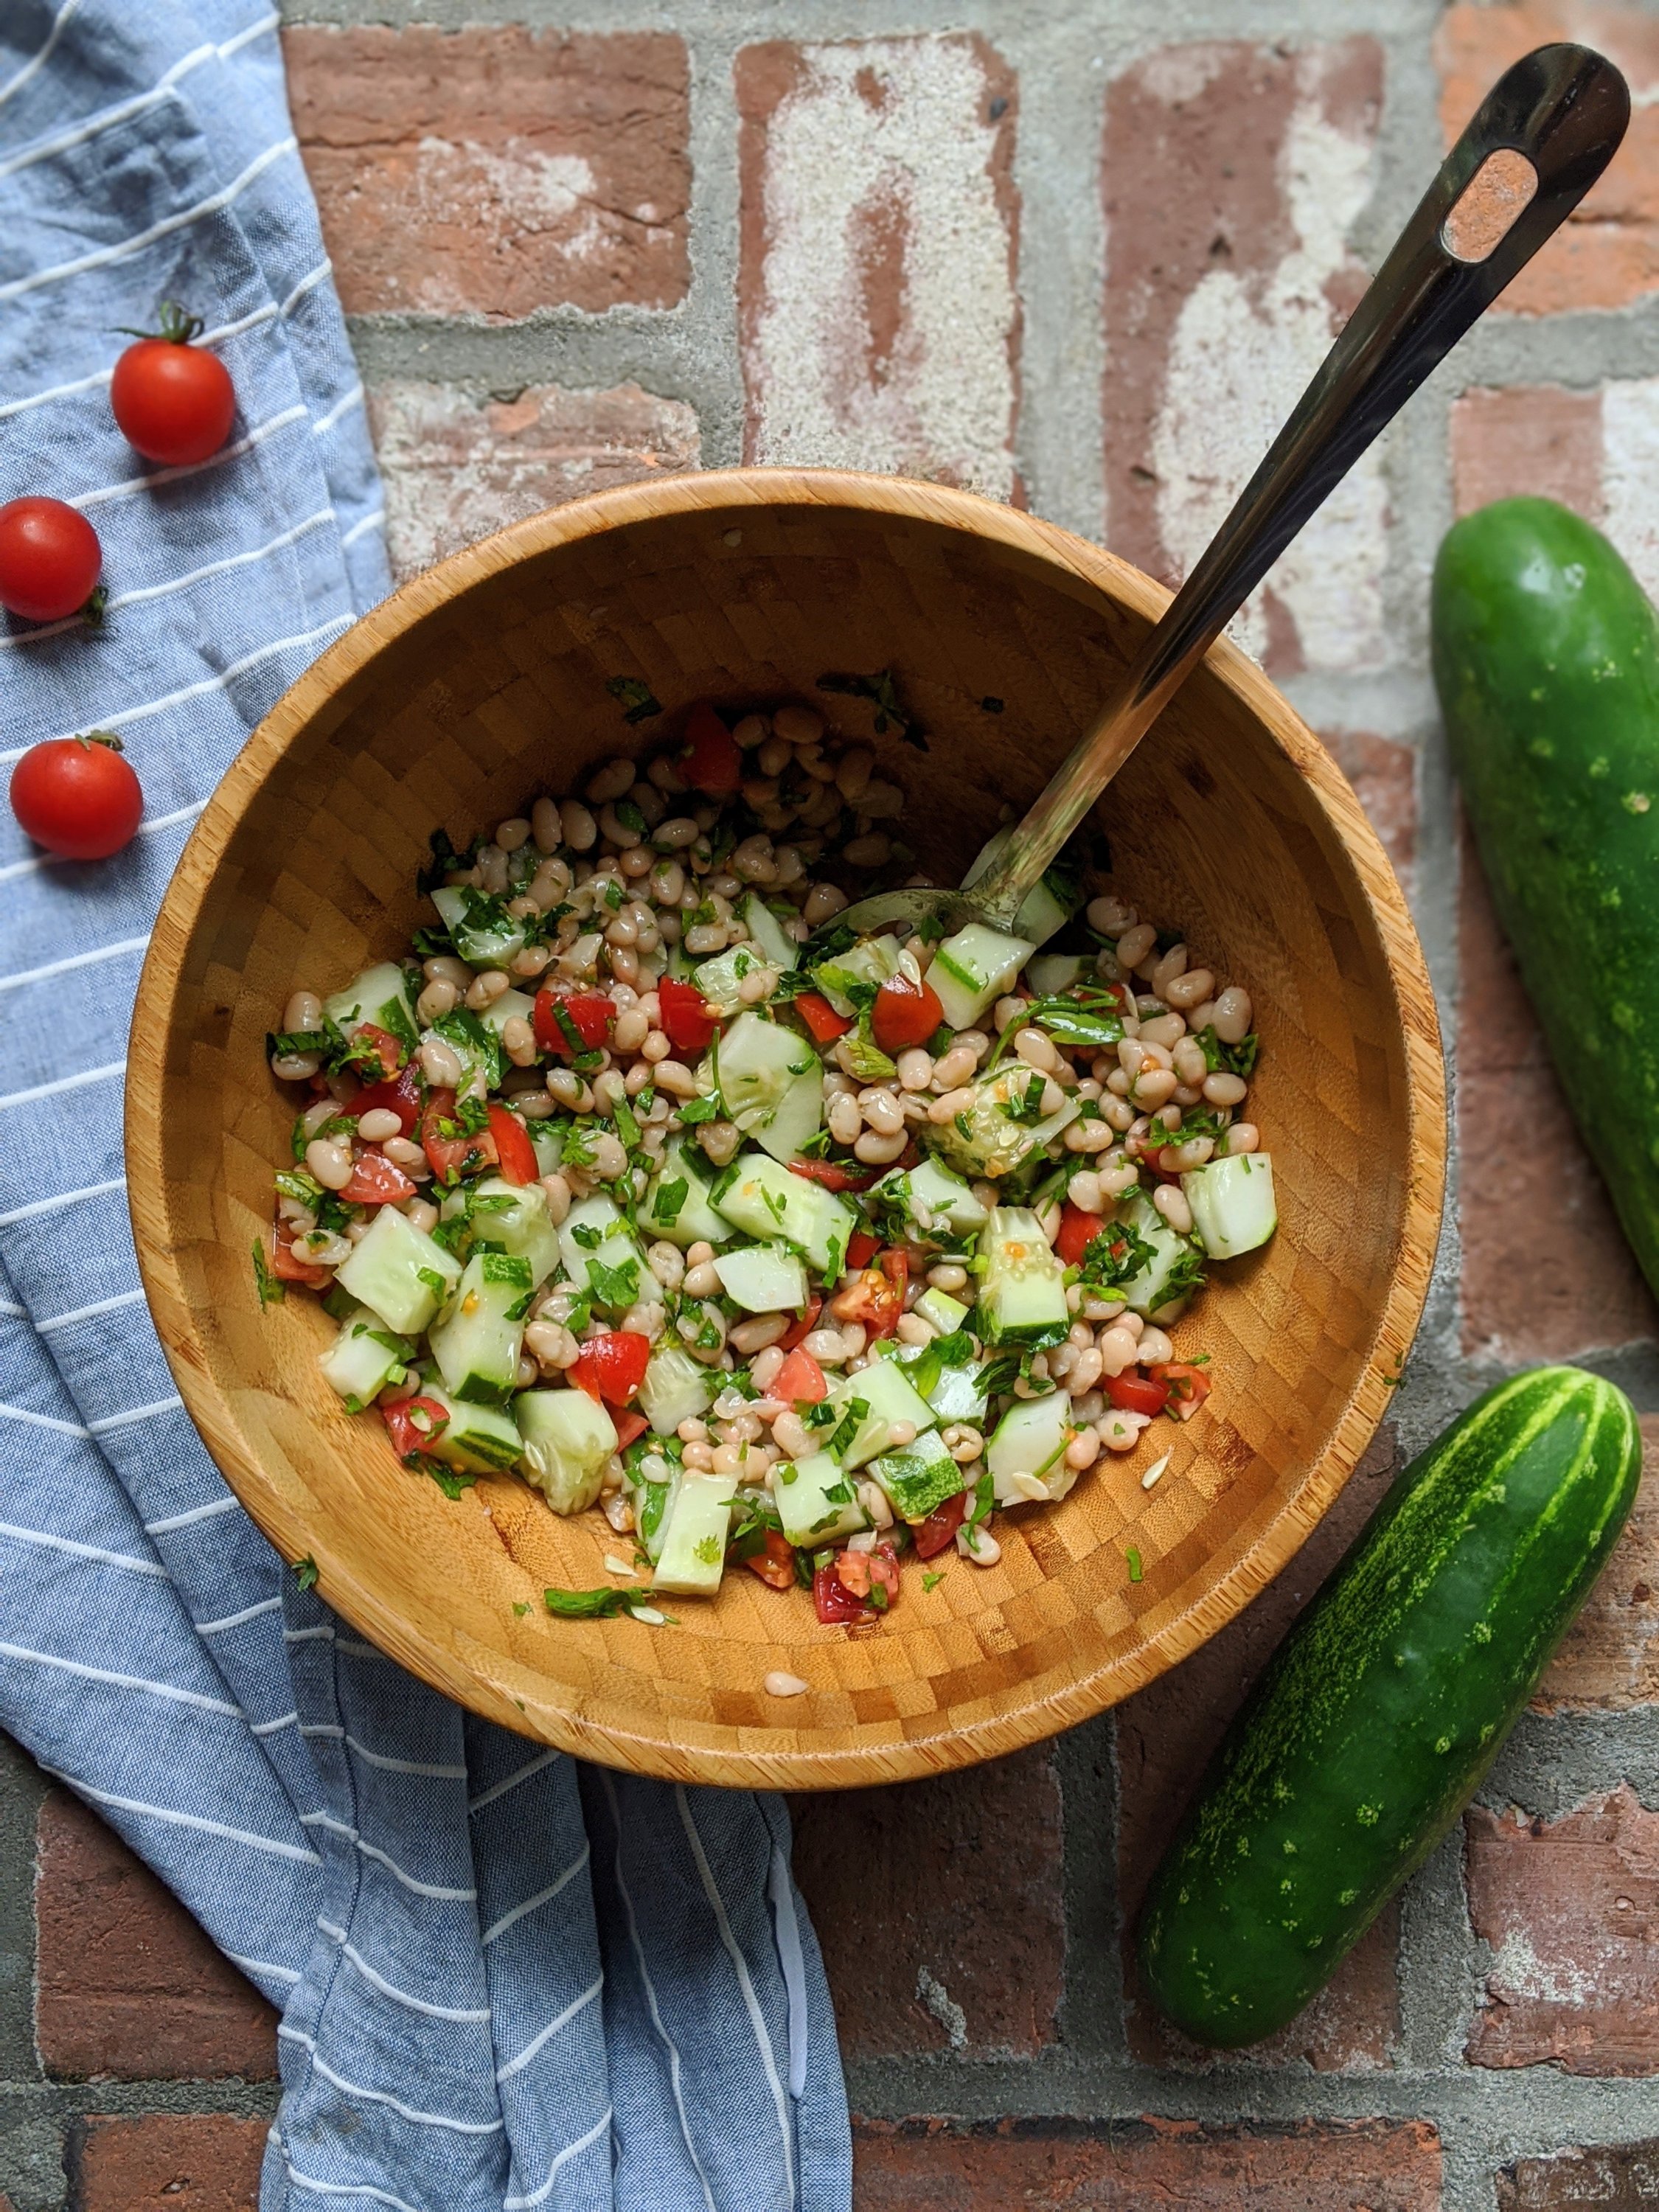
pixel 1384 1707
pixel 1547 661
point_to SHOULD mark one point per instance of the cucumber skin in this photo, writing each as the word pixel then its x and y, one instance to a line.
pixel 1546 662
pixel 1387 1702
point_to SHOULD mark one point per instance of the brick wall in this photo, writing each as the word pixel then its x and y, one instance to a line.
pixel 1082 257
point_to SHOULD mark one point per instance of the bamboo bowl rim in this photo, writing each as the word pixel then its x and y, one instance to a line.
pixel 1026 1717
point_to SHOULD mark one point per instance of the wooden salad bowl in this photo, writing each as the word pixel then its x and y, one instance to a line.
pixel 484 681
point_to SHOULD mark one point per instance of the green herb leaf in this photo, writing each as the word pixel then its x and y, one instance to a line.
pixel 271 1292
pixel 594 1604
pixel 638 700
pixel 1131 1560
pixel 305 1572
pixel 932 1580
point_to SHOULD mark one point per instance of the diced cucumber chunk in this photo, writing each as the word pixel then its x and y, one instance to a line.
pixel 547 1142
pixel 568 1439
pixel 888 1396
pixel 694 1547
pixel 475 1439
pixel 975 967
pixel 677 1205
pixel 872 962
pixel 1050 973
pixel 594 1232
pixel 932 1198
pixel 399 1272
pixel 920 1477
pixel 381 995
pixel 763 1277
pixel 760 1195
pixel 816 1498
pixel 1000 1127
pixel 516 1217
pixel 768 933
pixel 959 1392
pixel 754 1065
pixel 491 939
pixel 796 1118
pixel 1046 907
pixel 1022 1294
pixel 718 977
pixel 478 1337
pixel 945 1313
pixel 676 1388
pixel 364 1356
pixel 1148 1288
pixel 1026 1454
pixel 512 1005
pixel 1233 1203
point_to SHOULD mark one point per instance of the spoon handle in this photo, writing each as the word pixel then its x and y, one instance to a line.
pixel 1542 138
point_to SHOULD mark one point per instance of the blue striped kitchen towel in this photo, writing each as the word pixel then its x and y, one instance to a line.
pixel 505 1981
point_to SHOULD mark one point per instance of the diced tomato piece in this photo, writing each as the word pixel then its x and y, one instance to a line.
pixel 877 1298
pixel 843 1590
pixel 377 1181
pixel 393 1055
pixel 687 1018
pixel 289 1266
pixel 711 761
pixel 803 1326
pixel 590 1015
pixel 833 1175
pixel 612 1367
pixel 400 1095
pixel 837 1606
pixel 885 1572
pixel 905 1014
pixel 823 1022
pixel 861 1248
pixel 799 1382
pixel 1077 1230
pixel 514 1153
pixel 630 1428
pixel 414 1422
pixel 774 1563
pixel 938 1531
pixel 1137 1393
pixel 1189 1386
pixel 448 1156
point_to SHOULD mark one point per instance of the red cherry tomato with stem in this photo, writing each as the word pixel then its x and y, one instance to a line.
pixel 171 400
pixel 49 558
pixel 905 1014
pixel 77 796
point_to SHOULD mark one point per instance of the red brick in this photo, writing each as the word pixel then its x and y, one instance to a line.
pixel 1527 1186
pixel 128 1986
pixel 1050 2165
pixel 1232 175
pixel 1623 2177
pixel 1606 255
pixel 1610 1657
pixel 198 2162
pixel 1165 1737
pixel 1536 439
pixel 457 468
pixel 938 1905
pixel 1570 1908
pixel 494 171
pixel 1383 774
pixel 879 317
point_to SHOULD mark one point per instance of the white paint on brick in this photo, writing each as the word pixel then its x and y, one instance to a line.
pixel 1630 470
pixel 835 166
pixel 527 192
pixel 1244 346
pixel 1518 1971
pixel 937 1999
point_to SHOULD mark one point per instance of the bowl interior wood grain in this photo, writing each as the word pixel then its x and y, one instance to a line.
pixel 484 681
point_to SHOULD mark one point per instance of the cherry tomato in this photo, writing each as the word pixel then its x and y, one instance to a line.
pixel 612 1367
pixel 774 1563
pixel 842 1589
pixel 448 1156
pixel 592 1017
pixel 50 558
pixel 687 1018
pixel 877 1298
pixel 291 1266
pixel 803 1326
pixel 938 1531
pixel 1077 1230
pixel 1137 1393
pixel 800 1381
pixel 837 1606
pixel 77 796
pixel 392 1052
pixel 414 1423
pixel 630 1428
pixel 861 1248
pixel 711 761
pixel 1189 1386
pixel 401 1097
pixel 377 1181
pixel 821 1020
pixel 905 1014
pixel 833 1175
pixel 174 400
pixel 514 1153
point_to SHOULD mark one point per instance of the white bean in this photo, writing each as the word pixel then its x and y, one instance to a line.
pixel 440 1064
pixel 379 1123
pixel 330 1161
pixel 1232 1015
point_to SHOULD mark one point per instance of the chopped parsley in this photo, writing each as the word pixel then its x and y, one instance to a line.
pixel 271 1292
pixel 1222 1059
pixel 857 1412
pixel 594 1604
pixel 933 1578
pixel 669 1202
pixel 616 1287
pixel 639 702
pixel 882 692
pixel 1131 1560
pixel 305 1572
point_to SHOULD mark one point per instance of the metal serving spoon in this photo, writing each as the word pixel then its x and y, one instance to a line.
pixel 1542 137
